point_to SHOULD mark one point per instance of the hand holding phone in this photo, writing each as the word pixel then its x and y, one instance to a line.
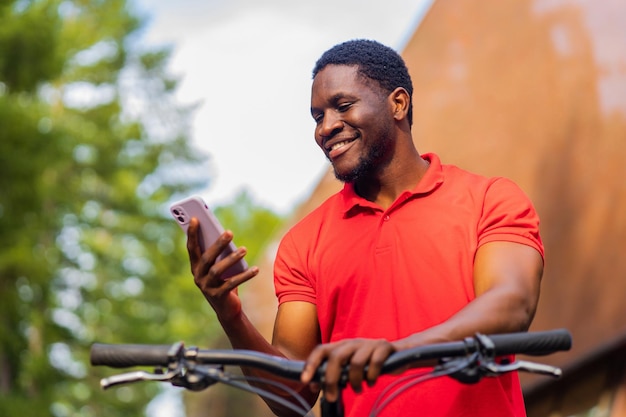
pixel 210 229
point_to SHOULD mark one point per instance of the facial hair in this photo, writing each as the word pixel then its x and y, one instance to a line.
pixel 370 163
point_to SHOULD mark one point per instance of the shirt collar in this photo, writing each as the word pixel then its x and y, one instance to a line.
pixel 432 179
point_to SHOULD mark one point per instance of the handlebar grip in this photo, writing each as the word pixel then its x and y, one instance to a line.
pixel 532 343
pixel 124 356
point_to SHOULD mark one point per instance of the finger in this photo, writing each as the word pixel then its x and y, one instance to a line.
pixel 337 358
pixel 377 360
pixel 209 256
pixel 193 244
pixel 315 359
pixel 219 268
pixel 235 281
pixel 358 362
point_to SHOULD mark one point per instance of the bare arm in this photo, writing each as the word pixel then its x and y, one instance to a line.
pixel 296 334
pixel 296 330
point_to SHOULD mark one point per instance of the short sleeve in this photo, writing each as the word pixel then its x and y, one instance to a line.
pixel 291 282
pixel 508 215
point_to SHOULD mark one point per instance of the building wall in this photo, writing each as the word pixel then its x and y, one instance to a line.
pixel 535 90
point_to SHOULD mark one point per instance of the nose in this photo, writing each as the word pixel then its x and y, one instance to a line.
pixel 330 125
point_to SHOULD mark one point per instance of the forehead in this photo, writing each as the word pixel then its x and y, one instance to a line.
pixel 336 79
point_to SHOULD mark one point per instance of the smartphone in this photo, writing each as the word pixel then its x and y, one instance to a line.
pixel 210 229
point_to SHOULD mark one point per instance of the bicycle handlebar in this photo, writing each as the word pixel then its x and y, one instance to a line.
pixel 530 343
pixel 127 355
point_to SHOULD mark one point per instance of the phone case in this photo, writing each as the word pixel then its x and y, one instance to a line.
pixel 210 228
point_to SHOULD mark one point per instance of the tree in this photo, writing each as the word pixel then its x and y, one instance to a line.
pixel 92 147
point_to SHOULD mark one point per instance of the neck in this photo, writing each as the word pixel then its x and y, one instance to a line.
pixel 384 188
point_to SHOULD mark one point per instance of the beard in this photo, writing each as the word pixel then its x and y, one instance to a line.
pixel 377 157
pixel 364 168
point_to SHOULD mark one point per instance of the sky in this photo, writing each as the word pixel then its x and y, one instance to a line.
pixel 247 63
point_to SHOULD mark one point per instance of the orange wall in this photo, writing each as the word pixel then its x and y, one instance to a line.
pixel 536 91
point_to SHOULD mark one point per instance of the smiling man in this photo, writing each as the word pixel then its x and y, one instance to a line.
pixel 410 252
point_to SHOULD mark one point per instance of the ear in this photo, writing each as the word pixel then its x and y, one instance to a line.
pixel 400 101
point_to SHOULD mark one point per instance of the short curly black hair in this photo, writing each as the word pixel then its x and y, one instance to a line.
pixel 374 61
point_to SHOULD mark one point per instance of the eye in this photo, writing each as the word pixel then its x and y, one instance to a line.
pixel 318 117
pixel 343 107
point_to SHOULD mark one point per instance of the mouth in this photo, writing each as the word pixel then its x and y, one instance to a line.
pixel 336 148
pixel 338 145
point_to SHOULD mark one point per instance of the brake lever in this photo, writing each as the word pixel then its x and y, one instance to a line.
pixel 199 377
pixel 136 376
pixel 521 365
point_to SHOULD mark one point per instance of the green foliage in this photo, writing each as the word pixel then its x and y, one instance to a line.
pixel 253 227
pixel 29 34
pixel 91 150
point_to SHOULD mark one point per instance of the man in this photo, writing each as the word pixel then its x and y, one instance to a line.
pixel 410 252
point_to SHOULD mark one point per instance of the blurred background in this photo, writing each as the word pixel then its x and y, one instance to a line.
pixel 109 110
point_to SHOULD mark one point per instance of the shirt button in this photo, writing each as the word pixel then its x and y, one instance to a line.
pixel 386 218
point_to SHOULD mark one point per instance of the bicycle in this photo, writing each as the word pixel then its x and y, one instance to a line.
pixel 196 369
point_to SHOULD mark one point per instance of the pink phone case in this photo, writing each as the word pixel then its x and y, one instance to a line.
pixel 210 228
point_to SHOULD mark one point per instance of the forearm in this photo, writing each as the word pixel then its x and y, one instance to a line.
pixel 495 311
pixel 243 335
pixel 507 278
pixel 221 294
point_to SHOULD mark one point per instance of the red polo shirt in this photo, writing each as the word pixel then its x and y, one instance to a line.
pixel 377 273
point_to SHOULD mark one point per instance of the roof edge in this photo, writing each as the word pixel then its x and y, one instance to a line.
pixel 417 20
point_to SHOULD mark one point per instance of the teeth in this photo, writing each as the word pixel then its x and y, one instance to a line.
pixel 338 145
